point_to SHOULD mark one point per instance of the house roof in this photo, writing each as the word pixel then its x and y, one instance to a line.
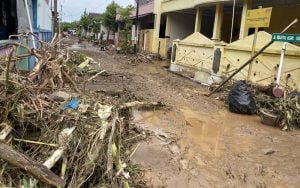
pixel 144 9
pixel 93 14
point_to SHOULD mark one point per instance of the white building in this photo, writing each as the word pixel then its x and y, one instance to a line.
pixel 14 19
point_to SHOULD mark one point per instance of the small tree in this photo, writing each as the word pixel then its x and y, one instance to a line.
pixel 97 23
pixel 85 20
pixel 109 17
pixel 68 25
pixel 125 18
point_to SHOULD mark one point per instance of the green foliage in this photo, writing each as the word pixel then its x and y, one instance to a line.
pixel 85 21
pixel 126 31
pixel 68 25
pixel 79 58
pixel 125 16
pixel 109 17
pixel 96 23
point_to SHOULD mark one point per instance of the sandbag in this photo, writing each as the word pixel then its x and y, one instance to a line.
pixel 241 100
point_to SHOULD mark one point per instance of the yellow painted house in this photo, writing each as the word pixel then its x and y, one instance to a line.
pixel 209 39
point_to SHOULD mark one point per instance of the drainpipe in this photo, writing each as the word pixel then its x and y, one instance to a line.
pixel 30 24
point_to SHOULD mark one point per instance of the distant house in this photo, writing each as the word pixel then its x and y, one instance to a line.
pixel 14 20
pixel 103 29
pixel 145 24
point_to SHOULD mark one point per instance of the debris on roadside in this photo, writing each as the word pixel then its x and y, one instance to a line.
pixel 281 112
pixel 240 99
pixel 141 57
pixel 54 133
pixel 269 151
pixel 84 65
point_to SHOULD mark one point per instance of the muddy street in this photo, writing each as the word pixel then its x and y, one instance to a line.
pixel 197 142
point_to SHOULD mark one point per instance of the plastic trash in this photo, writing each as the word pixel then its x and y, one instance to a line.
pixel 104 111
pixel 73 104
pixel 241 100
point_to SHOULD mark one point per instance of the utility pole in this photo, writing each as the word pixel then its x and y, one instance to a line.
pixel 61 13
pixel 55 18
pixel 60 20
pixel 136 26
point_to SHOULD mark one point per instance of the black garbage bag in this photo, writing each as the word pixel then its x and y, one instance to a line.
pixel 241 100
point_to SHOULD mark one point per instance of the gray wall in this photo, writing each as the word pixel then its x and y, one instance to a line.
pixel 181 26
pixel 23 25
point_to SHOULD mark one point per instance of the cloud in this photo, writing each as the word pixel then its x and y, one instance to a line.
pixel 73 9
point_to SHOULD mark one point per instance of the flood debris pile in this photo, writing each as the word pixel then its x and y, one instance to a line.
pixel 281 112
pixel 142 57
pixel 81 64
pixel 53 135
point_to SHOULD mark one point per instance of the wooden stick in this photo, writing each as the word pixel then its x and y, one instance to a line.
pixel 71 81
pixel 35 142
pixel 139 104
pixel 93 77
pixel 109 150
pixel 7 70
pixel 22 161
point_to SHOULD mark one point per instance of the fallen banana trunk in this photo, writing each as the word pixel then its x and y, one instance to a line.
pixel 138 104
pixel 37 170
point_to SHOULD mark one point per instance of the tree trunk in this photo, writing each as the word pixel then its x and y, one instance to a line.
pixel 107 36
pixel 37 170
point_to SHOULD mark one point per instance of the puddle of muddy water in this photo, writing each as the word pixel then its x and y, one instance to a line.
pixel 225 146
pixel 75 46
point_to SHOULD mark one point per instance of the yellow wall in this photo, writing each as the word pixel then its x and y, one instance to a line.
pixel 174 5
pixel 195 53
pixel 264 68
pixel 164 43
pixel 197 57
pixel 148 33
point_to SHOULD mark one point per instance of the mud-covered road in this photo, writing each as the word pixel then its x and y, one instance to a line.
pixel 198 143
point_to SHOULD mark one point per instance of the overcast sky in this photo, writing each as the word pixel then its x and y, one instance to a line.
pixel 72 9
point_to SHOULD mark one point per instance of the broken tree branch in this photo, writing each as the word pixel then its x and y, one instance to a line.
pixel 37 170
pixel 140 104
pixel 71 81
pixel 7 70
pixel 95 76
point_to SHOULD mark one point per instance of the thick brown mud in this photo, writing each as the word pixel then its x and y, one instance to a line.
pixel 218 149
pixel 198 143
